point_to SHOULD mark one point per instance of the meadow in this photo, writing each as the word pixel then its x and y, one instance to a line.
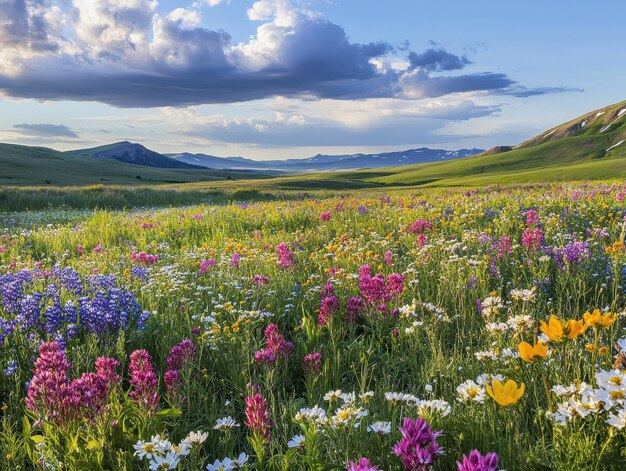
pixel 449 329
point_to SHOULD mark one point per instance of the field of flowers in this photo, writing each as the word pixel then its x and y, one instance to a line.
pixel 461 330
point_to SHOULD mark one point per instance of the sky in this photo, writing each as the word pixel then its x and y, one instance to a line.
pixel 273 79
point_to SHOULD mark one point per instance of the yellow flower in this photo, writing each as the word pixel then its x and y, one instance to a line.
pixel 531 353
pixel 506 394
pixel 574 328
pixel 597 319
pixel 554 329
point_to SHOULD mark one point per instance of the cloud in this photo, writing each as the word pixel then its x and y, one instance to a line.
pixel 437 60
pixel 126 54
pixel 331 123
pixel 46 130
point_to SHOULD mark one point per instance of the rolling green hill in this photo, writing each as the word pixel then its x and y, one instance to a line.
pixel 592 146
pixel 34 166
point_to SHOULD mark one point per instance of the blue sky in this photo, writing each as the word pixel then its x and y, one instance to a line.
pixel 291 78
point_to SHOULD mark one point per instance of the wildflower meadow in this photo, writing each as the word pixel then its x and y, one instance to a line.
pixel 465 329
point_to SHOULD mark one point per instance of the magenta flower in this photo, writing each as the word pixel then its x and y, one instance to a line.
pixel 181 355
pixel 312 364
pixel 205 264
pixel 91 392
pixel 265 355
pixel 143 258
pixel 105 367
pixel 362 465
pixel 143 380
pixel 172 383
pixel 325 216
pixel 49 392
pixel 420 226
pixel 418 447
pixel 276 343
pixel 234 261
pixel 285 256
pixel 388 257
pixel 258 417
pixel 532 239
pixel 477 462
pixel 354 307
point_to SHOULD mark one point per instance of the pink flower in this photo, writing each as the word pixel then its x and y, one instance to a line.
pixel 325 216
pixel 362 465
pixel 143 258
pixel 181 355
pixel 313 364
pixel 234 261
pixel 418 447
pixel 97 248
pixel 285 256
pixel 143 380
pixel 477 462
pixel 92 391
pixel 258 417
pixel 206 264
pixel 354 307
pixel 420 226
pixel 105 367
pixel 532 239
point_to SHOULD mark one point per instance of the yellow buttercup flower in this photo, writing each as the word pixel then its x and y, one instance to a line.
pixel 597 319
pixel 506 394
pixel 531 353
pixel 553 329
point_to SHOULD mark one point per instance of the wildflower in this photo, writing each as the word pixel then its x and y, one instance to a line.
pixel 331 396
pixel 145 450
pixel 225 424
pixel 434 408
pixel 532 353
pixel 181 354
pixel 597 319
pixel 380 428
pixel 507 394
pixel 276 343
pixel 285 256
pixel 477 462
pixel 296 441
pixel 354 307
pixel 618 420
pixel 258 417
pixel 553 329
pixel 313 364
pixel 143 381
pixel 363 464
pixel 469 391
pixel 169 461
pixel 524 295
pixel 325 216
pixel 197 438
pixel 418 447
pixel 105 367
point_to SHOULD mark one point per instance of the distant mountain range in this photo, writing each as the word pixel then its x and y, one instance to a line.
pixel 137 154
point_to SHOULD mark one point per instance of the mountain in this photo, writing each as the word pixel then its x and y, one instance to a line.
pixel 36 166
pixel 321 162
pixel 132 153
pixel 592 146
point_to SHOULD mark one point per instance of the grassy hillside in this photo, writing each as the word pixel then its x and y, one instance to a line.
pixel 32 166
pixel 592 146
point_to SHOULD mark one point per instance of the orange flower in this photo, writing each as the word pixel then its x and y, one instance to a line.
pixel 597 319
pixel 531 353
pixel 553 329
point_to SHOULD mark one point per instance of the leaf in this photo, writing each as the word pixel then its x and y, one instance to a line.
pixel 38 439
pixel 169 412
